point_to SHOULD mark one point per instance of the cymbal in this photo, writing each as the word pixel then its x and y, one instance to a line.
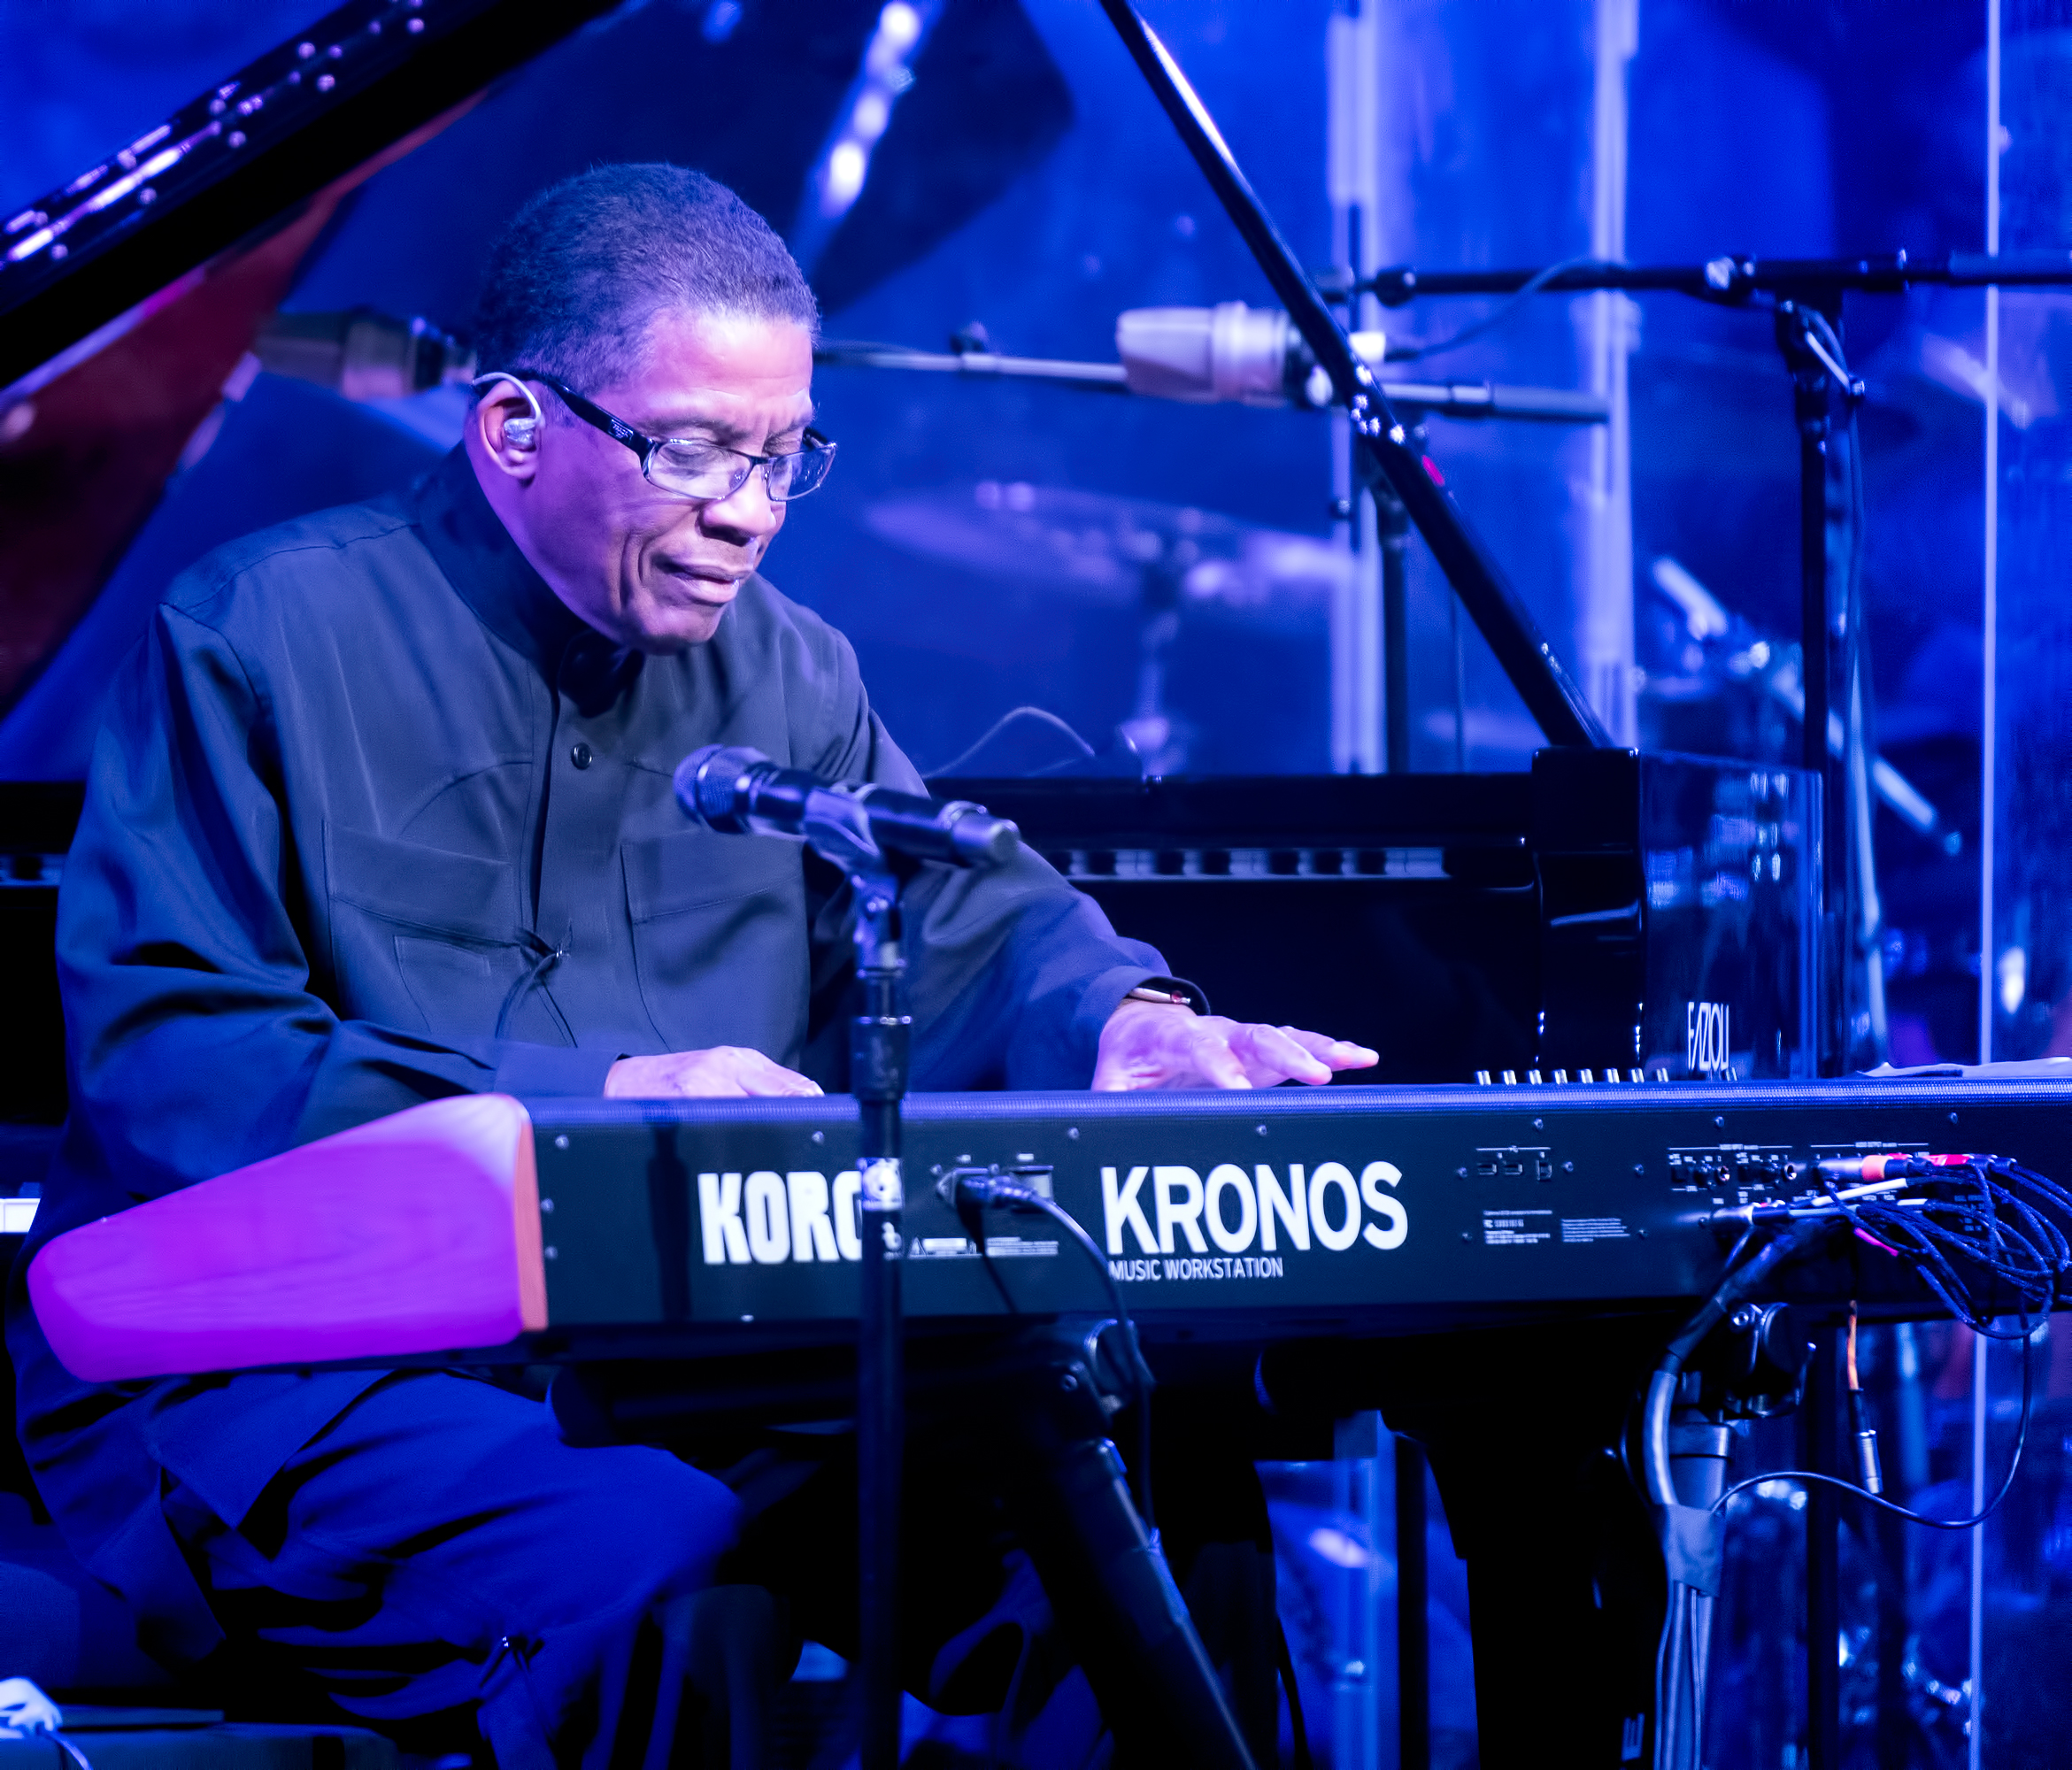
pixel 1100 549
pixel 1709 410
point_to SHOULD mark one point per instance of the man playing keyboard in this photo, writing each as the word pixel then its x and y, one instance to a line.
pixel 383 812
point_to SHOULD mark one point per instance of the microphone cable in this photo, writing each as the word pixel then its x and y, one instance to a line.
pixel 1417 353
pixel 1857 1492
pixel 1982 1211
pixel 1966 1215
pixel 967 1191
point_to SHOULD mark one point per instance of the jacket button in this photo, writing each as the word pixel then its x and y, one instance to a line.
pixel 582 755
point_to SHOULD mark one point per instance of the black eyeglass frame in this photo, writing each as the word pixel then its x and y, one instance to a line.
pixel 646 448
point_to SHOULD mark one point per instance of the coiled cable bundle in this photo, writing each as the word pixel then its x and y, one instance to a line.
pixel 1991 1238
pixel 1951 1216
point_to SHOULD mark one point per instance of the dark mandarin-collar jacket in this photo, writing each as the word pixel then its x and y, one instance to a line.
pixel 375 819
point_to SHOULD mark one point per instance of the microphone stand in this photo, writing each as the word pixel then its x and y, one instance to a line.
pixel 874 838
pixel 879 1038
pixel 1731 281
pixel 973 366
pixel 1438 399
pixel 878 1044
pixel 1804 297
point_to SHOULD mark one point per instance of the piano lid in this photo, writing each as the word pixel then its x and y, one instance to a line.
pixel 131 298
pixel 81 265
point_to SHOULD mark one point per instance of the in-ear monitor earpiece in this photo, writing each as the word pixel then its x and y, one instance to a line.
pixel 519 433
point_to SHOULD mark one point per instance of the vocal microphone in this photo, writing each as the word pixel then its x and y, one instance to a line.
pixel 738 791
pixel 1231 351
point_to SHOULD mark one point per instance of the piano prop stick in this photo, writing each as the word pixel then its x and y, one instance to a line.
pixel 418 1233
pixel 1551 695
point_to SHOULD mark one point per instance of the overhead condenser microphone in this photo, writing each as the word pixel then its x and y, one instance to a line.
pixel 1252 356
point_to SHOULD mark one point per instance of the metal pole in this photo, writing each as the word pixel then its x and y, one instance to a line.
pixel 1974 1718
pixel 1895 1724
pixel 1823 1614
pixel 1359 1477
pixel 1729 281
pixel 1413 1657
pixel 1392 527
pixel 1990 710
pixel 879 1038
pixel 1352 170
pixel 1356 744
pixel 1604 641
pixel 1813 397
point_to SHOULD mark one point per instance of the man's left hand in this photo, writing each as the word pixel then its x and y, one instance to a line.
pixel 1147 1045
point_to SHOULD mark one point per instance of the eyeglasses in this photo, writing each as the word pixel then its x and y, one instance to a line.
pixel 692 468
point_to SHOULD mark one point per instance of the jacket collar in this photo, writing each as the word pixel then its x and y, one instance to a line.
pixel 482 563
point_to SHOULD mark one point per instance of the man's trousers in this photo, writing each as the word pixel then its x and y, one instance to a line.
pixel 437 1557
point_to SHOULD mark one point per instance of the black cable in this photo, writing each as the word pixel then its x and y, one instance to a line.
pixel 1911 1516
pixel 1414 353
pixel 983 1187
pixel 1739 1278
pixel 1042 716
pixel 1297 1728
pixel 2052 1191
pixel 1929 1266
pixel 1140 1372
pixel 542 958
pixel 1973 1211
pixel 1994 1228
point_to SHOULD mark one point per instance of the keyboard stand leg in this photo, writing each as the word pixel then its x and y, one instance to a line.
pixel 1107 1577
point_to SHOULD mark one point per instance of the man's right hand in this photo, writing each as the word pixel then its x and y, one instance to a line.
pixel 726 1071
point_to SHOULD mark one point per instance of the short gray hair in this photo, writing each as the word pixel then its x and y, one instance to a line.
pixel 576 278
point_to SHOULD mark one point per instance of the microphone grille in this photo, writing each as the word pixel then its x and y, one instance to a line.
pixel 708 781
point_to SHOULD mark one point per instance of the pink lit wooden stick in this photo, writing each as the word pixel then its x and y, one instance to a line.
pixel 418 1233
